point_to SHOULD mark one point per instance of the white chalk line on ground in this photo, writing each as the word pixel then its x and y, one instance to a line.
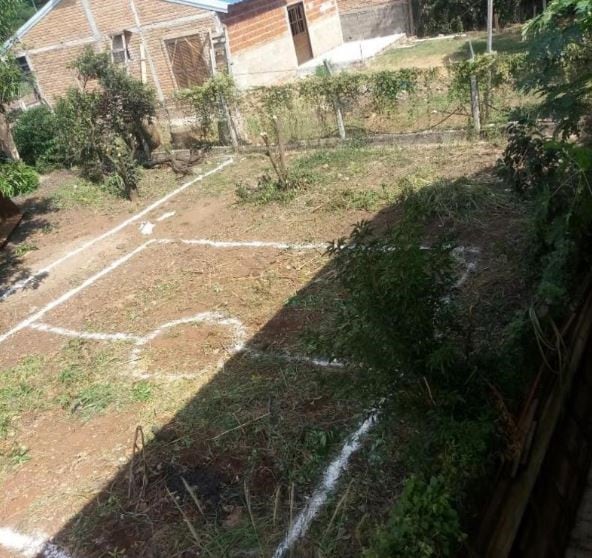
pixel 210 318
pixel 166 215
pixel 42 272
pixel 90 335
pixel 30 546
pixel 200 242
pixel 326 487
pixel 253 244
pixel 72 292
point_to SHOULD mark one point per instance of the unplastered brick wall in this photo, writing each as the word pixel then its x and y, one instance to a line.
pixel 260 40
pixel 54 43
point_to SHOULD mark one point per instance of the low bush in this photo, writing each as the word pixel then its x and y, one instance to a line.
pixel 17 179
pixel 423 523
pixel 394 317
pixel 34 135
pixel 269 189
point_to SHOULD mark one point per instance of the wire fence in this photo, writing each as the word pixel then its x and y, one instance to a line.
pixel 353 105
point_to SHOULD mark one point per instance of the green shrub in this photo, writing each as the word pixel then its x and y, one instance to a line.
pixel 17 179
pixel 423 524
pixel 269 190
pixel 34 134
pixel 394 316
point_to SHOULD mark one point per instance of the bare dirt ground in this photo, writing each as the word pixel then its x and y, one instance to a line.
pixel 199 344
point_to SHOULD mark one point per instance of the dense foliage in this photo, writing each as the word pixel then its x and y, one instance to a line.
pixel 17 179
pixel 455 16
pixel 463 434
pixel 423 525
pixel 34 133
pixel 210 102
pixel 559 64
pixel 103 130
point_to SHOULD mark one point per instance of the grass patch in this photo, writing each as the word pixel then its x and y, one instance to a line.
pixel 367 200
pixel 439 52
pixel 23 249
pixel 83 193
pixel 458 200
pixel 20 392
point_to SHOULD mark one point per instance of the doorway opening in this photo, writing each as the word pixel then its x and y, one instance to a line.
pixel 299 29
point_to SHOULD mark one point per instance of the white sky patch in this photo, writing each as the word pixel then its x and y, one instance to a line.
pixel 166 215
pixel 147 228
pixel 29 546
pixel 330 478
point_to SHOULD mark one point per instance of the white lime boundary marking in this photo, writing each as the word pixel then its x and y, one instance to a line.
pixel 69 294
pixel 30 546
pixel 209 318
pixel 120 261
pixel 92 336
pixel 253 244
pixel 42 272
pixel 330 478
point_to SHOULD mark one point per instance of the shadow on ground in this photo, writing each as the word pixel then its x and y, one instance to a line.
pixel 227 473
pixel 13 266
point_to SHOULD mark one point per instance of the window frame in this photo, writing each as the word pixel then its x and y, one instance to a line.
pixel 124 49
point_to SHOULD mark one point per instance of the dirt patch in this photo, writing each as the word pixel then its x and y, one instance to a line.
pixel 187 349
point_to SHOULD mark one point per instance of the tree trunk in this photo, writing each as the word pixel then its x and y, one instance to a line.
pixel 7 144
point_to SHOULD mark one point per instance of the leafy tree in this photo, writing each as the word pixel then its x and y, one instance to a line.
pixel 104 130
pixel 8 11
pixel 560 63
pixel 454 16
pixel 34 134
pixel 10 81
pixel 10 78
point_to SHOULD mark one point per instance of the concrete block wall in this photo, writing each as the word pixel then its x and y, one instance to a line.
pixel 371 18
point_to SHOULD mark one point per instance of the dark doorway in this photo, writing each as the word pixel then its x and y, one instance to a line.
pixel 299 30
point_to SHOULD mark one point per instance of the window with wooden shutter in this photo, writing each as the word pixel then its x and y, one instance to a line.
pixel 119 49
pixel 190 60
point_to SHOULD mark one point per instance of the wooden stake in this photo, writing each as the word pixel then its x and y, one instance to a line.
pixel 281 148
pixel 337 107
pixel 475 98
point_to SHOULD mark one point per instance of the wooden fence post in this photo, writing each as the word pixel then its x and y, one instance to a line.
pixel 337 106
pixel 476 113
pixel 281 147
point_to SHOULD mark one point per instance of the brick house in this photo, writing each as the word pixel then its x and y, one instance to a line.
pixel 365 19
pixel 173 44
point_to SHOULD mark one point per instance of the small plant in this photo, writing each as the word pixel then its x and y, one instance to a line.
pixel 529 162
pixel 212 102
pixel 17 179
pixel 269 190
pixel 23 249
pixel 423 524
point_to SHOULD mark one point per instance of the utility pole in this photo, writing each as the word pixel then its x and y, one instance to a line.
pixel 489 26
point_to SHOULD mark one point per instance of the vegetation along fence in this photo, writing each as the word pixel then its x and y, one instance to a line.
pixel 354 104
